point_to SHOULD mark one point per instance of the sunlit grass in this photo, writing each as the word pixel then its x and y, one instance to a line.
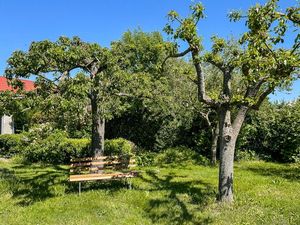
pixel 265 193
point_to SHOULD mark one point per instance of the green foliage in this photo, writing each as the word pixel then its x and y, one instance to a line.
pixel 282 134
pixel 17 105
pixel 140 52
pixel 55 148
pixel 187 28
pixel 180 156
pixel 11 144
pixel 164 99
pixel 67 110
pixel 101 80
pixel 119 146
pixel 146 158
pixel 273 132
pixel 47 145
pixel 171 156
pixel 246 155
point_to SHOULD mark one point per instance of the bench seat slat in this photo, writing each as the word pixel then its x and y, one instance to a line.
pixel 98 158
pixel 89 177
pixel 98 163
pixel 92 169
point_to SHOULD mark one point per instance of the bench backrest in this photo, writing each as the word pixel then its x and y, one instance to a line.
pixel 101 164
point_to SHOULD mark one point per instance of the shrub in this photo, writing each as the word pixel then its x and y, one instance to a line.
pixel 179 155
pixel 273 132
pixel 145 158
pixel 119 146
pixel 48 145
pixel 77 148
pixel 11 144
pixel 246 155
pixel 56 148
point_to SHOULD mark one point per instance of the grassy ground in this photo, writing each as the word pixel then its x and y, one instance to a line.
pixel 265 193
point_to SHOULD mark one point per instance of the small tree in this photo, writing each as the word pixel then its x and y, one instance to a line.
pixel 51 62
pixel 264 64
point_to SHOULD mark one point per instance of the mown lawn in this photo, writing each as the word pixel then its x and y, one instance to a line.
pixel 265 193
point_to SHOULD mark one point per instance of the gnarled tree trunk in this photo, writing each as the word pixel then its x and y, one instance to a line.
pixel 228 136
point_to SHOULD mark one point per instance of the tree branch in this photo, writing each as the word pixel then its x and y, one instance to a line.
pixel 218 65
pixel 295 48
pixel 240 117
pixel 181 54
pixel 47 79
pixel 227 85
pixel 206 117
pixel 226 79
pixel 201 82
pixel 262 98
pixel 271 51
pixel 122 94
pixel 193 81
pixel 253 90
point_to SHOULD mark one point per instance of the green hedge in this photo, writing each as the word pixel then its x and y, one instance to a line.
pixel 56 148
pixel 11 144
pixel 119 146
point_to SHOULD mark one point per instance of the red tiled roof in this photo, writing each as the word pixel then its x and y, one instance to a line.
pixel 28 85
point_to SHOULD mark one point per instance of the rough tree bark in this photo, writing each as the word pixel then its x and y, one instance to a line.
pixel 98 128
pixel 98 122
pixel 214 144
pixel 228 135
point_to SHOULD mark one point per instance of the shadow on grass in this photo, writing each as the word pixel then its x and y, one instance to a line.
pixel 178 201
pixel 33 183
pixel 289 172
pixel 174 199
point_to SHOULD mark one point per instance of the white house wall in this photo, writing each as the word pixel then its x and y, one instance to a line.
pixel 7 125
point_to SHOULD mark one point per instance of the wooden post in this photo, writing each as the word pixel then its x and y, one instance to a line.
pixel 79 188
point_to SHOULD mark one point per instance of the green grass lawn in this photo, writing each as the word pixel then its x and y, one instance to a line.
pixel 265 193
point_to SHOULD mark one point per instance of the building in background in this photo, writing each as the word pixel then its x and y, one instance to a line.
pixel 7 123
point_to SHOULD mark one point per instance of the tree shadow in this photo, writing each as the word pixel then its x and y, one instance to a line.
pixel 289 172
pixel 182 202
pixel 174 199
pixel 32 183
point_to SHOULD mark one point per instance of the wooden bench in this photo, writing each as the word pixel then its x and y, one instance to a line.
pixel 102 168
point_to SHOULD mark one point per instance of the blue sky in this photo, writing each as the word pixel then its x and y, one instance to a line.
pixel 103 21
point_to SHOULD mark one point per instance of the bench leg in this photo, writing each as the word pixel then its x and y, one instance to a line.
pixel 79 188
pixel 129 183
